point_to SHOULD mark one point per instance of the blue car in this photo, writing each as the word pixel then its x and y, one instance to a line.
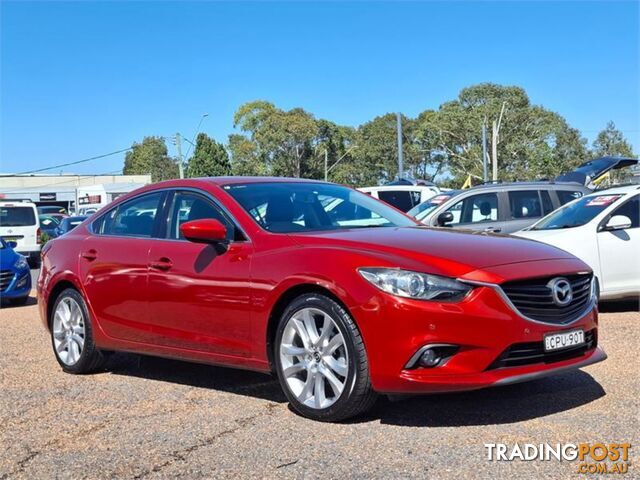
pixel 15 276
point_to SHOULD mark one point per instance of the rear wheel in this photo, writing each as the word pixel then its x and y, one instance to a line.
pixel 321 360
pixel 72 334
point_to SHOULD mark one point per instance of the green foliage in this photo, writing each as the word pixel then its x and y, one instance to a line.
pixel 150 157
pixel 210 159
pixel 611 142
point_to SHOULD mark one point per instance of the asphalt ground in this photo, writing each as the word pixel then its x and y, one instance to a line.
pixel 146 417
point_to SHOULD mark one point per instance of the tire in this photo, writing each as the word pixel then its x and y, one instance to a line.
pixel 325 376
pixel 72 335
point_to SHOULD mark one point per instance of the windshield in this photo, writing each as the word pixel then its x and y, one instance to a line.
pixel 421 211
pixel 308 207
pixel 11 216
pixel 577 213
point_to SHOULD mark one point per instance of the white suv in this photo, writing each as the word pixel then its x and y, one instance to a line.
pixel 19 223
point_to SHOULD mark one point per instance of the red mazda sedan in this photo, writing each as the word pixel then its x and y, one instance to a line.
pixel 338 294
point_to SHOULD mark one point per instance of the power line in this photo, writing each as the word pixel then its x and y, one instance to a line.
pixel 75 163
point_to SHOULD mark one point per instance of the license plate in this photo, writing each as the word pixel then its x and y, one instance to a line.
pixel 561 340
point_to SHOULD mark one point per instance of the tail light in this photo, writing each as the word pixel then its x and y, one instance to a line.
pixel 38 240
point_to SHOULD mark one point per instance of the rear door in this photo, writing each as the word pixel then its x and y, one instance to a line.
pixel 619 251
pixel 113 265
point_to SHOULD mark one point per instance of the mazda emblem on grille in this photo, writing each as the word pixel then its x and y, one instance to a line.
pixel 561 291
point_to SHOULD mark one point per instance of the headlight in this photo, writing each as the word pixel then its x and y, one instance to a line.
pixel 21 263
pixel 420 286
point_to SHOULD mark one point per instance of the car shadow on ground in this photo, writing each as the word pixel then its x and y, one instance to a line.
pixel 500 405
pixel 619 306
pixel 7 304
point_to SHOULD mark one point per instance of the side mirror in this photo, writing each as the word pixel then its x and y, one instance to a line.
pixel 444 218
pixel 12 244
pixel 617 222
pixel 205 230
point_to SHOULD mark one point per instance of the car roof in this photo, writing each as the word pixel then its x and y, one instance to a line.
pixel 525 185
pixel 383 188
pixel 239 180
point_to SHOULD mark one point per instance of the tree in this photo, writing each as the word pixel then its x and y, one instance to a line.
pixel 150 157
pixel 611 142
pixel 533 142
pixel 209 159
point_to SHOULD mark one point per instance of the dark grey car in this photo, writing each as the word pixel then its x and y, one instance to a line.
pixel 502 207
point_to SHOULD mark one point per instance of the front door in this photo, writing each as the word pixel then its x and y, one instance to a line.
pixel 619 249
pixel 199 294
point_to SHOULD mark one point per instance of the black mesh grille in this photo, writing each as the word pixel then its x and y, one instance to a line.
pixel 5 279
pixel 532 298
pixel 520 354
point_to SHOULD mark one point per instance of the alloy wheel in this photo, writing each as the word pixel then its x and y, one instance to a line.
pixel 314 358
pixel 68 331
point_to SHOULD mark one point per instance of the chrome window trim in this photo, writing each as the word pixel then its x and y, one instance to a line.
pixel 170 190
pixel 506 300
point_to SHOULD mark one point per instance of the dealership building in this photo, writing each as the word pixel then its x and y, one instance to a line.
pixel 67 190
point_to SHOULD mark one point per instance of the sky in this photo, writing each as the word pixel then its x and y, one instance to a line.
pixel 82 79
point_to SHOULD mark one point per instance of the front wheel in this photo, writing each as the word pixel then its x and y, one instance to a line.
pixel 72 334
pixel 321 360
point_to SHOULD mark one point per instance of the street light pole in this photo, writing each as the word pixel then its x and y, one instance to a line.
pixel 326 165
pixel 400 154
pixel 180 160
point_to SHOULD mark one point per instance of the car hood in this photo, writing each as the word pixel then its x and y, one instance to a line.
pixel 452 252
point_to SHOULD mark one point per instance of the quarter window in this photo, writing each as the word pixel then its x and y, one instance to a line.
pixel 525 204
pixel 134 218
pixel 566 196
pixel 475 209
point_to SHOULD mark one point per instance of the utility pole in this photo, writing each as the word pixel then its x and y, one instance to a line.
pixel 494 141
pixel 326 165
pixel 400 156
pixel 179 148
pixel 485 173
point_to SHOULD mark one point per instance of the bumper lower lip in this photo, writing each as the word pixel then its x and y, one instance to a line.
pixel 598 356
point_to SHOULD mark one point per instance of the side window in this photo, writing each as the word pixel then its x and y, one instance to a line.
pixel 134 218
pixel 547 204
pixel 188 206
pixel 566 196
pixel 403 200
pixel 475 209
pixel 630 209
pixel 525 204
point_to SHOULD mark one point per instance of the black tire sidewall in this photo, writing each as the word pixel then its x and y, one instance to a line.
pixel 342 319
pixel 87 356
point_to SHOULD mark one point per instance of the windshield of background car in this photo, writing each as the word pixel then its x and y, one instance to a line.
pixel 577 213
pixel 14 216
pixel 422 210
pixel 308 207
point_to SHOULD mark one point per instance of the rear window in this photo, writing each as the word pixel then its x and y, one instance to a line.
pixel 525 204
pixel 403 200
pixel 17 216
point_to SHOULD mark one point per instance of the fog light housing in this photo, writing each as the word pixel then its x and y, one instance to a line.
pixel 22 282
pixel 431 356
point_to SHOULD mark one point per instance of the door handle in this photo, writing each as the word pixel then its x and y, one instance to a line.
pixel 493 229
pixel 163 264
pixel 90 255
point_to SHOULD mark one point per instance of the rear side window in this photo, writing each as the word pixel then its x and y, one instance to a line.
pixel 13 216
pixel 403 200
pixel 525 204
pixel 134 218
pixel 566 196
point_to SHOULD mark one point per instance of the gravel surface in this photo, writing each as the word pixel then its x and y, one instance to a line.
pixel 154 418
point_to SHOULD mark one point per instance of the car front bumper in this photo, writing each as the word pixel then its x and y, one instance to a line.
pixel 19 286
pixel 482 327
